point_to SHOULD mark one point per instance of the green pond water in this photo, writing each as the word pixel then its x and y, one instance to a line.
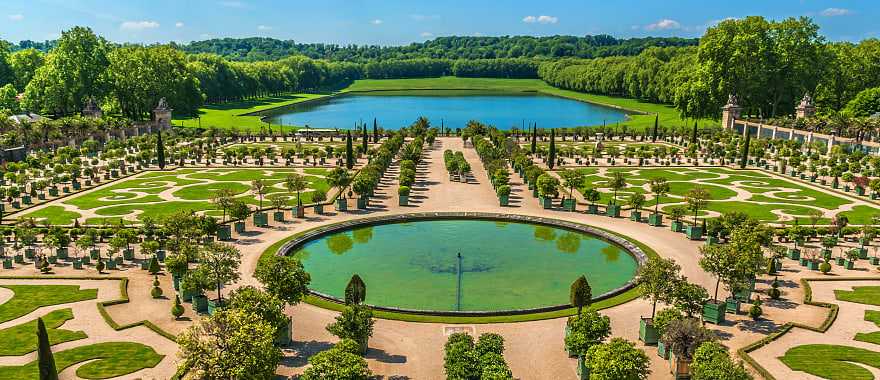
pixel 504 265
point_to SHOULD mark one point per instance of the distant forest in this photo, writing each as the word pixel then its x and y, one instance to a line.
pixel 263 49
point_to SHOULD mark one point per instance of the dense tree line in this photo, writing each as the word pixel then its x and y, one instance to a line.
pixel 263 48
pixel 429 67
pixel 769 65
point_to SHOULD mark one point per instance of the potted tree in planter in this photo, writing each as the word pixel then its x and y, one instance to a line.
pixel 851 257
pixel 635 201
pixel 548 188
pixel 176 264
pixel 223 199
pixel 192 289
pixel 340 179
pixel 319 196
pixel 503 193
pixel 659 187
pixel 258 187
pixel 362 187
pixel 584 331
pixel 657 280
pixel 296 182
pixel 572 179
pixel 697 199
pixel 278 202
pixel 218 265
pixel 284 278
pixel 676 213
pixel 239 211
pixel 828 244
pixel 664 318
pixel 403 195
pixel 683 337
pixel 592 195
pixel 617 183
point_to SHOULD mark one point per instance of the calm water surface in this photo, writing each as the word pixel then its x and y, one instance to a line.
pixel 396 111
pixel 504 265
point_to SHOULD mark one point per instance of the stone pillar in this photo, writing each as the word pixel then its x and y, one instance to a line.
pixel 806 108
pixel 730 112
pixel 775 130
pixel 162 115
pixel 831 141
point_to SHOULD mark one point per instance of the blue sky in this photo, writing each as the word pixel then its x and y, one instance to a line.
pixel 402 22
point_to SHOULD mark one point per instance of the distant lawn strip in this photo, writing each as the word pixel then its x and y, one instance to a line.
pixel 21 339
pixel 831 361
pixel 105 360
pixel 205 191
pixel 871 337
pixel 231 115
pixel 868 295
pixel 862 214
pixel 668 115
pixel 56 215
pixel 155 210
pixel 28 298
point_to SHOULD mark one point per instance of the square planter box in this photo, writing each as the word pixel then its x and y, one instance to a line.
pixel 26 199
pixel 647 332
pixel 676 226
pixel 613 211
pixel 849 264
pixel 284 334
pixel 278 216
pixel 261 219
pixel 110 264
pixel 19 259
pixel 813 265
pixel 128 254
pixel 61 253
pixel 733 305
pixel 200 303
pixel 582 370
pixel 362 203
pixel 214 305
pixel 662 351
pixel 53 191
pixel 403 200
pixel 341 204
pixel 593 209
pixel 546 203
pixel 862 252
pixel 7 263
pixel 77 264
pixel 635 216
pixel 29 253
pixel 714 312
pixel 319 209
pixel 841 261
pixel 160 255
pixel 41 196
pixel 298 212
pixel 793 253
pixel 694 232
pixel 224 232
pixel 875 260
pixel 85 260
pixel 569 205
pixel 239 227
pixel 803 261
pixel 655 220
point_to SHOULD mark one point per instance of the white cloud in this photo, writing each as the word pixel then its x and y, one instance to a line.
pixel 232 4
pixel 139 25
pixel 17 17
pixel 376 22
pixel 418 17
pixel 427 34
pixel 664 24
pixel 264 27
pixel 178 24
pixel 543 19
pixel 832 12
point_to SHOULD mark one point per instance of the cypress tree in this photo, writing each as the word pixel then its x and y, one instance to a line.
pixel 355 291
pixel 580 294
pixel 745 153
pixel 349 153
pixel 375 131
pixel 365 143
pixel 46 362
pixel 654 135
pixel 534 138
pixel 160 150
pixel 552 156
pixel 694 134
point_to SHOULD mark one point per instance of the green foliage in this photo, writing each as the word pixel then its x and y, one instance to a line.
pixel 684 336
pixel 865 103
pixel 261 304
pixel 355 291
pixel 713 362
pixel 586 330
pixel 218 265
pixel 177 309
pixel 580 294
pixel 464 360
pixel 342 362
pixel 232 343
pixel 548 186
pixel 832 362
pixel 355 323
pixel 658 279
pixel 618 359
pixel 20 340
pixel 284 277
pixel 28 298
pixel 101 361
pixel 44 354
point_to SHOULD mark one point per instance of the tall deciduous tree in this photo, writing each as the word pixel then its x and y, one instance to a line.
pixel 618 359
pixel 284 277
pixel 657 280
pixel 219 264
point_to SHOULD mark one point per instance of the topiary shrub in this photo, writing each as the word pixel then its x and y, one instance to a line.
pixel 177 309
pixel 154 266
pixel 756 311
pixel 156 292
pixel 825 267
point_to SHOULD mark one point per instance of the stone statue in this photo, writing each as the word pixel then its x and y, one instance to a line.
pixel 732 100
pixel 807 101
pixel 163 105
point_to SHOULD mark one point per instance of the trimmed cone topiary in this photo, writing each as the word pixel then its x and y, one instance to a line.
pixel 177 309
pixel 45 360
pixel 154 266
pixel 156 292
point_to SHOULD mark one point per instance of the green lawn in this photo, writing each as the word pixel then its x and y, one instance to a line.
pixel 229 115
pixel 831 361
pixel 871 337
pixel 28 298
pixel 868 295
pixel 105 360
pixel 232 115
pixel 21 339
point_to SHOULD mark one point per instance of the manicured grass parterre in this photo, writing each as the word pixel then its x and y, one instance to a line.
pixel 20 340
pixel 105 360
pixel 753 192
pixel 28 298
pixel 157 194
pixel 868 295
pixel 832 362
pixel 871 337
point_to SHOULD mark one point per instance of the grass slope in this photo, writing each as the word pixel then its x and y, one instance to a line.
pixel 21 339
pixel 231 115
pixel 105 360
pixel 28 298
